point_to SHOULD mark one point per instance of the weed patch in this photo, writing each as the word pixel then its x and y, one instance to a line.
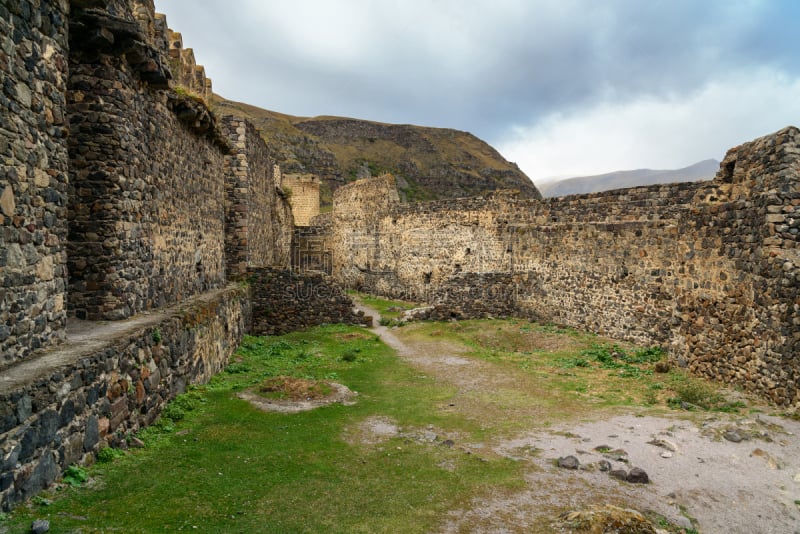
pixel 75 475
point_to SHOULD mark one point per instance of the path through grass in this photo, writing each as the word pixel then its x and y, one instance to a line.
pixel 214 463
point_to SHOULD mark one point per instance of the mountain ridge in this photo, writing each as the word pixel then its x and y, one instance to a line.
pixel 429 163
pixel 702 170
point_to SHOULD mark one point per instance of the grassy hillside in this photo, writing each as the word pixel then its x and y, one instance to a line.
pixel 429 163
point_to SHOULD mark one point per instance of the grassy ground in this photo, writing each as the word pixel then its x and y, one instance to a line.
pixel 574 371
pixel 219 465
pixel 214 463
pixel 390 310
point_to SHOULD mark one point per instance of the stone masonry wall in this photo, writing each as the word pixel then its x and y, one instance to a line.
pixel 146 212
pixel 303 191
pixel 311 248
pixel 707 269
pixel 258 219
pixel 90 394
pixel 284 301
pixel 33 176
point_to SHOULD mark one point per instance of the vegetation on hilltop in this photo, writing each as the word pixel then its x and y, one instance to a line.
pixel 429 163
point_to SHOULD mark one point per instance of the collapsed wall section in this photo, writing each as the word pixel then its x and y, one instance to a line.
pixel 285 301
pixel 258 219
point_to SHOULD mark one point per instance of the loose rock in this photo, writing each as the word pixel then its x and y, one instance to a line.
pixel 40 526
pixel 568 462
pixel 638 476
pixel 732 435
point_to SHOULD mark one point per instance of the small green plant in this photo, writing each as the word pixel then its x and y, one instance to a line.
pixel 75 475
pixel 349 356
pixel 648 355
pixel 237 368
pixel 569 363
pixel 106 455
pixel 156 335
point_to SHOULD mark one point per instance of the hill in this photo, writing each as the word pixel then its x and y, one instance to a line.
pixel 429 163
pixel 703 170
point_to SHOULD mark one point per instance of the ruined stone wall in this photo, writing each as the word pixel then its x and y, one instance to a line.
pixel 188 75
pixel 303 192
pixel 33 176
pixel 91 394
pixel 285 301
pixel 146 196
pixel 258 220
pixel 707 269
pixel 311 247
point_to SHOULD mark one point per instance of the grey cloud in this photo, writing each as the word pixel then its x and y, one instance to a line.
pixel 513 69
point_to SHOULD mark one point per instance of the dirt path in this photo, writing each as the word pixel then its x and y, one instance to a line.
pixel 716 473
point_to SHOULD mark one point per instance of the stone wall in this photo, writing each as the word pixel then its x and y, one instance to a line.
pixel 707 269
pixel 188 75
pixel 258 219
pixel 303 192
pixel 33 176
pixel 146 213
pixel 99 387
pixel 140 204
pixel 311 247
pixel 284 301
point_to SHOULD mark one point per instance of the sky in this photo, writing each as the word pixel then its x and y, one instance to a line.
pixel 561 87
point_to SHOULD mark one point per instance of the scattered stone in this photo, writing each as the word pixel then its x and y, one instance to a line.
pixel 448 443
pixel 685 523
pixel 772 462
pixel 638 476
pixel 40 526
pixel 604 465
pixel 617 455
pixel 666 454
pixel 664 444
pixel 797 478
pixel 732 435
pixel 136 443
pixel 568 462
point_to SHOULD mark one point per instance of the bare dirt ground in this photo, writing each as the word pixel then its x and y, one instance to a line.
pixel 296 402
pixel 713 472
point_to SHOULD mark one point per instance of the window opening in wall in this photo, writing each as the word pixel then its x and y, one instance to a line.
pixel 427 277
pixel 727 175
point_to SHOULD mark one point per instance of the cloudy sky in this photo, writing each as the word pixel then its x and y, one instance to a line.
pixel 562 87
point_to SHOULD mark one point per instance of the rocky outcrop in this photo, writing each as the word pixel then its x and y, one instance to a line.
pixel 429 163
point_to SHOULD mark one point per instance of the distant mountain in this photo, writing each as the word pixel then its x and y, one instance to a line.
pixel 428 163
pixel 703 170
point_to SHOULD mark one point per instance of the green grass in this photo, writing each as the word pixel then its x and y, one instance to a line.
pixel 577 372
pixel 214 463
pixel 384 306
